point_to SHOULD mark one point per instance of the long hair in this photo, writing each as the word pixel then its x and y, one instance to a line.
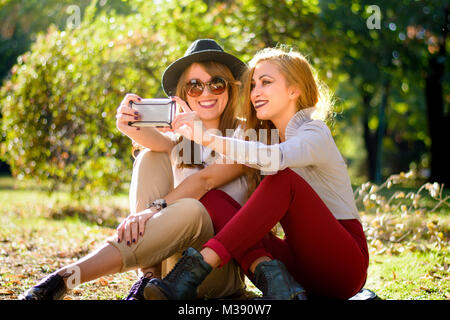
pixel 228 118
pixel 297 71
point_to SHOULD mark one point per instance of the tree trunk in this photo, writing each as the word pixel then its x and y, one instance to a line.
pixel 373 140
pixel 438 119
pixel 381 132
pixel 369 137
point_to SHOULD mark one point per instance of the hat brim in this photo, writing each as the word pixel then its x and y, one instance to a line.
pixel 173 72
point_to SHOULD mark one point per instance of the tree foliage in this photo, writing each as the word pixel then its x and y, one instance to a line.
pixel 21 20
pixel 59 106
pixel 59 102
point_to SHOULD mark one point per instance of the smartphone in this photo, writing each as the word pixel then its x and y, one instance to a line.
pixel 158 112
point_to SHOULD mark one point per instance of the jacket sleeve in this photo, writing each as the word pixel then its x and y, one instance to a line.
pixel 308 147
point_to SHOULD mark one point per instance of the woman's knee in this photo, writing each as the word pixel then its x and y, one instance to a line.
pixel 192 209
pixel 194 217
pixel 149 159
pixel 213 196
pixel 152 179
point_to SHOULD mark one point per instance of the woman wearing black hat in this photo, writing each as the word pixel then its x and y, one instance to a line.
pixel 166 185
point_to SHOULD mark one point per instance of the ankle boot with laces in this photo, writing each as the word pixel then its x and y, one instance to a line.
pixel 137 290
pixel 51 287
pixel 182 281
pixel 276 283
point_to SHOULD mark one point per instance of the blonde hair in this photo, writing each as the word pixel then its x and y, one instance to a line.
pixel 297 71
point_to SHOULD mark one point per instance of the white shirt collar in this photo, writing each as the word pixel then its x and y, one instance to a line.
pixel 297 120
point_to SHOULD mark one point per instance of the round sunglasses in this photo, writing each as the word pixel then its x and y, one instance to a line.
pixel 216 86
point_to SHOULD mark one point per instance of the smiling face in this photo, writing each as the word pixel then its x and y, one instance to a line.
pixel 209 107
pixel 271 96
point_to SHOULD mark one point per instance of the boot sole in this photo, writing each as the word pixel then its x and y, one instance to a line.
pixel 152 292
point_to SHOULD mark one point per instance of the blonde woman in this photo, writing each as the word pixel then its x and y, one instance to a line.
pixel 324 252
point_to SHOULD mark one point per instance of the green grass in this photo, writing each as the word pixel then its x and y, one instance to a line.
pixel 411 275
pixel 40 233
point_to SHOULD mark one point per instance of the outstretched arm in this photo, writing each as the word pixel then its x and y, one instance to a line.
pixel 251 153
pixel 312 146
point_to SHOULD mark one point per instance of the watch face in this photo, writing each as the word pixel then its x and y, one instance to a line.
pixel 158 204
pixel 163 203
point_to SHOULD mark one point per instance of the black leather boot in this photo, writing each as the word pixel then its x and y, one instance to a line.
pixel 137 290
pixel 51 287
pixel 182 281
pixel 276 283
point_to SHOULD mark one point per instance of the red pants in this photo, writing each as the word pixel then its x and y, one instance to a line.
pixel 328 257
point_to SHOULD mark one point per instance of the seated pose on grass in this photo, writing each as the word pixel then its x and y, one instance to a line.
pixel 307 189
pixel 166 215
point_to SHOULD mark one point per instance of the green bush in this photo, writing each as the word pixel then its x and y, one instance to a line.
pixel 59 106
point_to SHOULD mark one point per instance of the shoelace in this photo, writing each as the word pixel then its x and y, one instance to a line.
pixel 138 287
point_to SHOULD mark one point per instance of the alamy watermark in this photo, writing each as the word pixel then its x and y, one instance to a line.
pixel 74 20
pixel 73 275
pixel 374 20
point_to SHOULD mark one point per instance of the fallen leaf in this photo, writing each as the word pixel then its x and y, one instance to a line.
pixel 6 291
pixel 16 276
pixel 425 289
pixel 102 281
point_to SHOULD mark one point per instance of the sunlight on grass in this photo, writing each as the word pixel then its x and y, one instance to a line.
pixel 412 275
pixel 40 233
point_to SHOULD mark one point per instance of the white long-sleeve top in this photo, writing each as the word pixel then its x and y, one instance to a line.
pixel 311 152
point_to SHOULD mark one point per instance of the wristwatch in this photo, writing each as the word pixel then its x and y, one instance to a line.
pixel 158 204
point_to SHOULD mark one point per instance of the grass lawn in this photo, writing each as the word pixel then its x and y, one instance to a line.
pixel 40 233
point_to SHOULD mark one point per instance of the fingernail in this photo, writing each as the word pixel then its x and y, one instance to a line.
pixel 140 233
pixel 128 243
pixel 139 99
pixel 136 113
pixel 134 240
pixel 118 239
pixel 135 118
pixel 137 128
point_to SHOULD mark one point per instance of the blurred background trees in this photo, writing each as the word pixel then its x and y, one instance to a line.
pixel 63 75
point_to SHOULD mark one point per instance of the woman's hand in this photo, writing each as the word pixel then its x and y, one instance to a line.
pixel 188 123
pixel 126 114
pixel 134 226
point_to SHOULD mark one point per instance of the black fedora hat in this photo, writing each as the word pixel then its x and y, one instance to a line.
pixel 200 50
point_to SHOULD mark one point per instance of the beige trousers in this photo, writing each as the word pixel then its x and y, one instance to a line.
pixel 185 223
